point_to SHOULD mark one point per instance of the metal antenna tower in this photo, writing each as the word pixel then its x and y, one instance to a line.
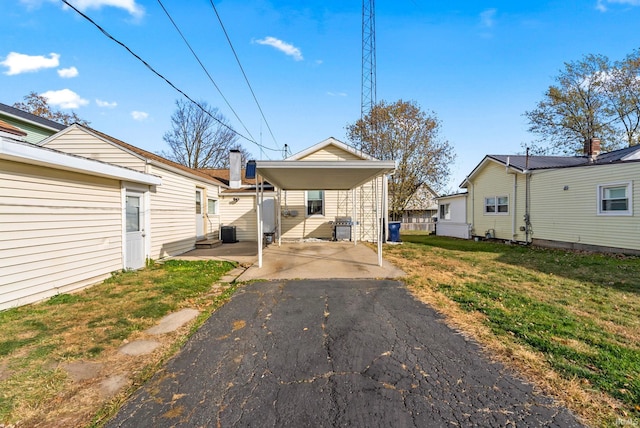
pixel 368 92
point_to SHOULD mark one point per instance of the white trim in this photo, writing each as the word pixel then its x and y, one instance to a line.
pixel 29 121
pixel 306 203
pixel 629 190
pixel 43 156
pixel 496 205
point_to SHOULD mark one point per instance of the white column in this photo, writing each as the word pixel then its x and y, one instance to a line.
pixel 259 220
pixel 279 217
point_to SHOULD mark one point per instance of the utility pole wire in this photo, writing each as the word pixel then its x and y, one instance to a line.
pixel 243 73
pixel 204 68
pixel 106 33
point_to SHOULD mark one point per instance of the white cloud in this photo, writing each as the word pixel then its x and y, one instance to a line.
pixel 139 115
pixel 106 104
pixel 65 98
pixel 337 94
pixel 487 18
pixel 286 48
pixel 129 5
pixel 601 5
pixel 67 73
pixel 21 63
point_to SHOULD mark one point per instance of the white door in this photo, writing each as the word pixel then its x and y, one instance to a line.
pixel 134 257
pixel 199 215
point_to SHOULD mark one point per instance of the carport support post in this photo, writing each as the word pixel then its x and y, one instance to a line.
pixel 259 220
pixel 377 202
pixel 279 217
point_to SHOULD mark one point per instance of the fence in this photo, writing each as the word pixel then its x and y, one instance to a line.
pixel 428 226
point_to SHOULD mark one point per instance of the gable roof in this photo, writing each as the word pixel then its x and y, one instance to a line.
pixel 522 163
pixel 31 118
pixel 330 142
pixel 138 152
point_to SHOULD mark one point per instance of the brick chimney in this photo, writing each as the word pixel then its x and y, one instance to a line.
pixel 592 148
pixel 235 169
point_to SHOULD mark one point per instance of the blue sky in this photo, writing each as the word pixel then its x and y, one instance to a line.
pixel 479 65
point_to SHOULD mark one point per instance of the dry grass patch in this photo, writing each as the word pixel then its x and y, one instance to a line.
pixel 566 321
pixel 41 343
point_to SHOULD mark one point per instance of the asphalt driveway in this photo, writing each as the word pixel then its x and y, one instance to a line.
pixel 320 353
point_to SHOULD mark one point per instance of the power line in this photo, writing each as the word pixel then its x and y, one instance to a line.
pixel 243 73
pixel 106 33
pixel 204 68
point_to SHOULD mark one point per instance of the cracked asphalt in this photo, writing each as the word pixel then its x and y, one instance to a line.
pixel 328 353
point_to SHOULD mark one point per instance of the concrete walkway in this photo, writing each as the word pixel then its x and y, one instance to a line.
pixel 302 260
pixel 329 353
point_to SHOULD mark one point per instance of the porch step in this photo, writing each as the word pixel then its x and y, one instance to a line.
pixel 208 243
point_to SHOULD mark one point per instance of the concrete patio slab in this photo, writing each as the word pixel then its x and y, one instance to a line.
pixel 244 252
pixel 320 260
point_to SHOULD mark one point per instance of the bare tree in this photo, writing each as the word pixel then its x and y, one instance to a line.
pixel 39 106
pixel 591 98
pixel 200 138
pixel 401 131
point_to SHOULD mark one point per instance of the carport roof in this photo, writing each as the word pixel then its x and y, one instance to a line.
pixel 325 175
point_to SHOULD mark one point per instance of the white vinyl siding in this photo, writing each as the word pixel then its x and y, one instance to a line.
pixel 172 211
pixel 60 231
pixel 571 215
pixel 331 153
pixel 240 213
pixel 78 142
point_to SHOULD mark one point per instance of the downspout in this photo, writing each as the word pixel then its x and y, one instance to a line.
pixel 515 206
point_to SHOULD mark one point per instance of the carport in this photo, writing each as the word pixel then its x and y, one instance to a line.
pixel 325 175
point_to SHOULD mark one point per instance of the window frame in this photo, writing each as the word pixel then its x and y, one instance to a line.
pixel 444 212
pixel 216 210
pixel 306 203
pixel 628 185
pixel 496 205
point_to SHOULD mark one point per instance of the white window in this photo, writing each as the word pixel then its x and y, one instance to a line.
pixel 315 202
pixel 496 205
pixel 212 206
pixel 614 199
pixel 445 213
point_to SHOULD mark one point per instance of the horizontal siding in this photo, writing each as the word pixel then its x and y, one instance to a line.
pixel 59 231
pixel 173 221
pixel 571 215
pixel 331 153
pixel 79 142
pixel 241 214
pixel 493 180
pixel 35 134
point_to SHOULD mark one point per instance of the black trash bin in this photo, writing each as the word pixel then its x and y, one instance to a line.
pixel 394 231
pixel 228 234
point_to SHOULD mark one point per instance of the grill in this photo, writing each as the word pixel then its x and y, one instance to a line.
pixel 341 228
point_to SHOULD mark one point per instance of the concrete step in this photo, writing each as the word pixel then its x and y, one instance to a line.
pixel 208 243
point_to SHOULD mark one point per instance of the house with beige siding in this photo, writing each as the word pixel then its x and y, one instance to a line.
pixel 589 202
pixel 294 215
pixel 66 221
pixel 180 212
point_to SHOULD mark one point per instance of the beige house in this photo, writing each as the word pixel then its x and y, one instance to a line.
pixel 64 219
pixel 585 202
pixel 173 216
pixel 320 195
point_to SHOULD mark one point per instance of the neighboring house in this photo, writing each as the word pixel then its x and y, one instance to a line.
pixel 173 216
pixel 585 202
pixel 420 210
pixel 452 216
pixel 62 219
pixel 35 127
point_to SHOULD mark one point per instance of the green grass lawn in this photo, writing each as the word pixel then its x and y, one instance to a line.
pixel 579 311
pixel 90 326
